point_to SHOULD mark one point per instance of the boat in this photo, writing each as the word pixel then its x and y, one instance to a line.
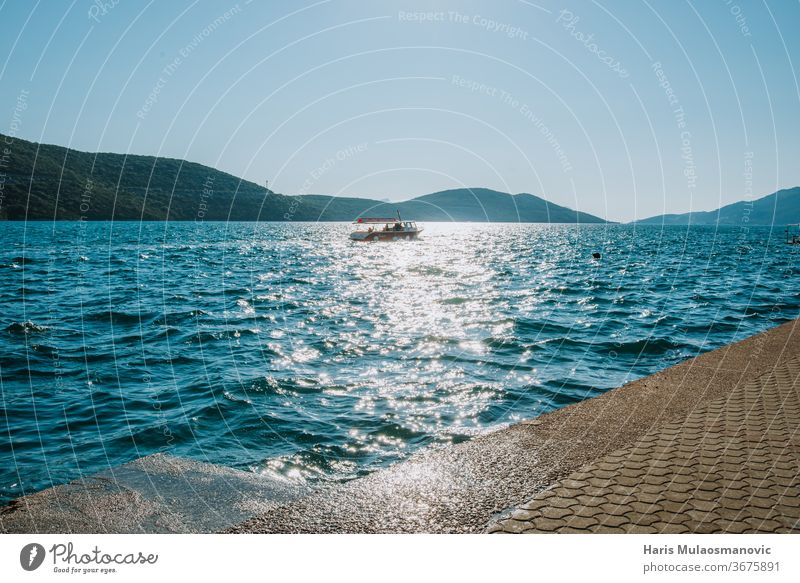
pixel 393 229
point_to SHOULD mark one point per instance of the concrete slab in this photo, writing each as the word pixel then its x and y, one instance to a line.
pixel 154 494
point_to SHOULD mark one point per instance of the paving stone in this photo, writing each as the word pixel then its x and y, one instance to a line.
pixel 648 498
pixel 586 500
pixel 587 511
pixel 514 526
pixel 761 502
pixel 705 505
pixel 555 513
pixel 700 516
pixel 619 499
pixel 641 529
pixel 621 489
pixel 591 490
pixel 613 520
pixel 562 502
pixel 605 474
pixel 535 504
pixel 656 489
pixel 599 482
pixel 562 492
pixel 670 528
pixel 606 529
pixel 645 507
pixel 765 513
pixel 522 515
pixel 548 525
pixel 572 530
pixel 670 507
pixel 582 522
pixel 762 525
pixel 706 495
pixel 630 481
pixel 572 483
pixel 642 519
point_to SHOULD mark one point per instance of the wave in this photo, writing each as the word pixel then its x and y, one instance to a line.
pixel 26 328
pixel 211 336
pixel 171 318
pixel 654 346
pixel 573 348
pixel 280 386
pixel 429 270
pixel 455 301
pixel 27 291
pixel 395 431
pixel 175 360
pixel 236 399
pixel 562 392
pixel 118 317
pixel 503 344
pixel 525 326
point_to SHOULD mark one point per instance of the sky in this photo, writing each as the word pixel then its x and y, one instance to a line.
pixel 622 109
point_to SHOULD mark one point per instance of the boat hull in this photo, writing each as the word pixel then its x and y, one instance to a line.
pixel 365 236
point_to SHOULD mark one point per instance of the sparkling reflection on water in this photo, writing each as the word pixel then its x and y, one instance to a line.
pixel 292 351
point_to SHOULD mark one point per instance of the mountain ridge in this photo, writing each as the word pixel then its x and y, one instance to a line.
pixel 459 204
pixel 780 207
pixel 50 182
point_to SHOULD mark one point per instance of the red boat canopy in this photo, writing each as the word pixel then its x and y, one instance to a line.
pixel 375 220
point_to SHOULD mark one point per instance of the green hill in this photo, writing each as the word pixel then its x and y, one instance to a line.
pixel 777 208
pixel 44 182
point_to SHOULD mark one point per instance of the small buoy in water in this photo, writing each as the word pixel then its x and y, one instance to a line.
pixel 596 255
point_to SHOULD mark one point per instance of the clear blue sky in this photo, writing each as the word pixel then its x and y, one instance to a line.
pixel 668 106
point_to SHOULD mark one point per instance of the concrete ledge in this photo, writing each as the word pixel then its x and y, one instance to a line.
pixel 154 494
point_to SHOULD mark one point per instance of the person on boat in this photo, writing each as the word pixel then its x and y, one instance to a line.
pixel 398 227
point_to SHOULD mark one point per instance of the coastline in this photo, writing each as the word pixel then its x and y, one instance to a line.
pixel 465 488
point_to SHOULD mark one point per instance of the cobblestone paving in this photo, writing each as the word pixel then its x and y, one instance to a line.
pixel 732 465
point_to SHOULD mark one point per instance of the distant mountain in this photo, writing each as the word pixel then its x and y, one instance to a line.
pixel 778 208
pixel 44 182
pixel 483 204
pixel 463 204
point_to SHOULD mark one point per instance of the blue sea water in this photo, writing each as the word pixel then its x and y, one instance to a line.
pixel 290 351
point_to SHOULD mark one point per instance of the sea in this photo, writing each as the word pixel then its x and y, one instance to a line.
pixel 286 350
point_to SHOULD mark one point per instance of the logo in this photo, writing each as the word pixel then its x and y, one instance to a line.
pixel 31 556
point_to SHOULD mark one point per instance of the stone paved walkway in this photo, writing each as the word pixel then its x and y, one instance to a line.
pixel 732 465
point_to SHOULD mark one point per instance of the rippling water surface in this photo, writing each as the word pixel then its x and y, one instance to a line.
pixel 288 350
